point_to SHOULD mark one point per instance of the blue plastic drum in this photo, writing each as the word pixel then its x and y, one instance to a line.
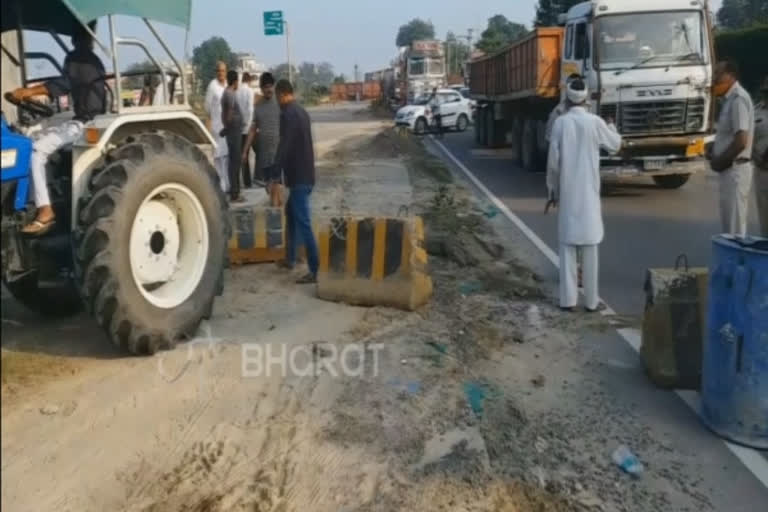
pixel 734 383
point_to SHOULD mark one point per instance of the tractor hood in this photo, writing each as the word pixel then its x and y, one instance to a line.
pixel 60 16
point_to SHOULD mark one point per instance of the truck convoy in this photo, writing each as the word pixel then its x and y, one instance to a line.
pixel 421 67
pixel 648 66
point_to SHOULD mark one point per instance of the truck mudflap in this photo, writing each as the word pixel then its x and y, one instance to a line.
pixel 651 167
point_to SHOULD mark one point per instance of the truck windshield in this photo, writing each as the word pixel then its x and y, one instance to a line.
pixel 417 66
pixel 650 40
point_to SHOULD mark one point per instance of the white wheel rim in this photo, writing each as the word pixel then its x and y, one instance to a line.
pixel 168 249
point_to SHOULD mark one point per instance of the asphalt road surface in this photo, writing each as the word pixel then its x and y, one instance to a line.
pixel 645 226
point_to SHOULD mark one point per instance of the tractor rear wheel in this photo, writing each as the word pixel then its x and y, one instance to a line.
pixel 152 242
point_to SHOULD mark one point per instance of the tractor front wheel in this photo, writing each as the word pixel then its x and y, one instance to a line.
pixel 153 242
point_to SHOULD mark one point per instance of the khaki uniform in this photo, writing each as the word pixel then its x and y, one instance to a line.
pixel 737 114
pixel 759 148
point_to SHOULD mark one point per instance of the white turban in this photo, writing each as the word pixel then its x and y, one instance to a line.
pixel 576 97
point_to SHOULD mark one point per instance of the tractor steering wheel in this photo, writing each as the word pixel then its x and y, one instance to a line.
pixel 33 107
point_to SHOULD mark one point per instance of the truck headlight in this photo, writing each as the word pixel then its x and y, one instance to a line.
pixel 8 158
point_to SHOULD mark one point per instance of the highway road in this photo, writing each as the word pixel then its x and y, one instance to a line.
pixel 645 226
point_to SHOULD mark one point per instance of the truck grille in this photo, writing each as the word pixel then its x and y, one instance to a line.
pixel 657 117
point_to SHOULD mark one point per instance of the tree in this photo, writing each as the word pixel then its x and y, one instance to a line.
pixel 414 30
pixel 500 32
pixel 734 14
pixel 137 82
pixel 205 56
pixel 341 79
pixel 281 71
pixel 456 54
pixel 547 11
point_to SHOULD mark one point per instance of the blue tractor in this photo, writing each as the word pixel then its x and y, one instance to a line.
pixel 141 228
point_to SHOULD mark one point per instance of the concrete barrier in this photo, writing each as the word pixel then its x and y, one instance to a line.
pixel 374 261
pixel 258 235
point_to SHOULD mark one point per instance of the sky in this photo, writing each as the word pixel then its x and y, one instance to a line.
pixel 342 32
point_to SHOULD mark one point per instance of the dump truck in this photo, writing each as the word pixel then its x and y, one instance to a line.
pixel 421 69
pixel 648 66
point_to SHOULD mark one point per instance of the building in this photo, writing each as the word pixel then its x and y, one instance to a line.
pixel 247 63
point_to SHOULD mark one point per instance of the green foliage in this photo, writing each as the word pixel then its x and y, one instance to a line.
pixel 341 79
pixel 137 82
pixel 500 33
pixel 735 14
pixel 414 30
pixel 744 47
pixel 547 11
pixel 310 80
pixel 456 54
pixel 205 57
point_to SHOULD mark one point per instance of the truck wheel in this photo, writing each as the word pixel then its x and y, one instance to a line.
pixel 420 128
pixel 528 146
pixel 153 242
pixel 462 123
pixel 671 181
pixel 62 300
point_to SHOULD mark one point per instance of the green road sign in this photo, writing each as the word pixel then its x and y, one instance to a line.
pixel 273 23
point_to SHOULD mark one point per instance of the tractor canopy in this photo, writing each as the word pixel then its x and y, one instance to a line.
pixel 60 16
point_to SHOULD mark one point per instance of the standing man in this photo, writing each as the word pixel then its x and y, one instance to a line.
pixel 296 157
pixel 434 107
pixel 245 101
pixel 573 181
pixel 232 119
pixel 732 151
pixel 760 156
pixel 265 131
pixel 560 109
pixel 213 107
pixel 84 79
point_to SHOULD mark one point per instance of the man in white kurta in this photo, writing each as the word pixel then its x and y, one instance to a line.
pixel 213 107
pixel 573 181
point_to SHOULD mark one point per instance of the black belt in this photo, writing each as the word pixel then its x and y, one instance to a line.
pixel 742 160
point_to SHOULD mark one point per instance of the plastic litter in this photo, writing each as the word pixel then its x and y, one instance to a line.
pixel 627 461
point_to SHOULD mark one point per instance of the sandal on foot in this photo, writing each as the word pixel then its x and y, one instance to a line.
pixel 38 227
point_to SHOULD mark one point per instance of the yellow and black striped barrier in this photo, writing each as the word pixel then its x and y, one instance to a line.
pixel 374 261
pixel 258 235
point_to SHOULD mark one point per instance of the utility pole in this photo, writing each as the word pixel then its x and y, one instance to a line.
pixel 288 50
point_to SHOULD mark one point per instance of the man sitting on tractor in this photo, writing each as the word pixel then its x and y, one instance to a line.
pixel 83 78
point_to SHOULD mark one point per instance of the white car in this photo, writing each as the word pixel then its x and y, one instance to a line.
pixel 455 109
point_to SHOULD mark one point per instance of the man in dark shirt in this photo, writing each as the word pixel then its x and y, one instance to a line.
pixel 296 156
pixel 84 79
pixel 232 119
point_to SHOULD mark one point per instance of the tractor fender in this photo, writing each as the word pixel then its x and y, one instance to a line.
pixel 110 130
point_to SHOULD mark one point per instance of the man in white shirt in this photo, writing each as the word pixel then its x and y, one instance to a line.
pixel 245 101
pixel 760 157
pixel 215 125
pixel 573 182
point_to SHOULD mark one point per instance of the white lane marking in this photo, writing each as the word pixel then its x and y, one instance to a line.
pixel 751 458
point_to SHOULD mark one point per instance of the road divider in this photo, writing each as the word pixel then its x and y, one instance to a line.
pixel 374 261
pixel 258 235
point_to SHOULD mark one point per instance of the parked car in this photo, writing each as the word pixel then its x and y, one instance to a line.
pixel 455 109
pixel 464 91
